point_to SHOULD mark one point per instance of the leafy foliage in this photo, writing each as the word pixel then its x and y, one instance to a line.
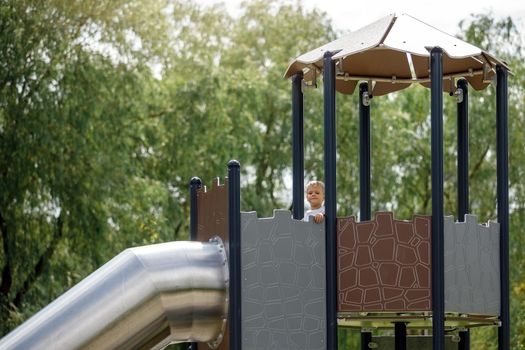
pixel 108 108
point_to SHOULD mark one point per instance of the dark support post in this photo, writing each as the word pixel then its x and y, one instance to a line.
pixel 364 153
pixel 234 236
pixel 438 274
pixel 330 200
pixel 464 340
pixel 366 338
pixel 195 184
pixel 502 151
pixel 463 184
pixel 298 146
pixel 400 329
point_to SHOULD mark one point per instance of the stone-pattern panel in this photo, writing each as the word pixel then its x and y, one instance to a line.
pixel 212 220
pixel 384 264
pixel 283 283
pixel 472 268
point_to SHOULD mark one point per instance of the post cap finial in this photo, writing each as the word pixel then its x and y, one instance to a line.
pixel 234 164
pixel 195 181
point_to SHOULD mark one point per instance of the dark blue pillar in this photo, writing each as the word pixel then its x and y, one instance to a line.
pixel 502 151
pixel 195 184
pixel 330 200
pixel 463 176
pixel 366 338
pixel 438 274
pixel 364 153
pixel 298 146
pixel 400 331
pixel 463 152
pixel 464 340
pixel 234 236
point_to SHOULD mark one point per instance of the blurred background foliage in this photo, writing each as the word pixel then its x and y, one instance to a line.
pixel 108 108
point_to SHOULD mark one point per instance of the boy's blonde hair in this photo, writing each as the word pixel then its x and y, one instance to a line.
pixel 314 183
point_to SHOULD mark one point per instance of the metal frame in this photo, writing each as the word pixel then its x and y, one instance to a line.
pixel 464 340
pixel 379 79
pixel 400 331
pixel 364 155
pixel 438 273
pixel 330 200
pixel 234 233
pixel 366 338
pixel 195 184
pixel 463 175
pixel 502 137
pixel 436 80
pixel 463 151
pixel 298 146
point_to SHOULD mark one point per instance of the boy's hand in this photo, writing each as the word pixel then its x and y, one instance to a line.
pixel 319 218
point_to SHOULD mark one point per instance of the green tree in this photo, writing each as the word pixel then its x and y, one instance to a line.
pixel 108 108
pixel 71 84
pixel 502 38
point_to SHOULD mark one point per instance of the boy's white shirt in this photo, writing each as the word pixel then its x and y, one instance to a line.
pixel 313 212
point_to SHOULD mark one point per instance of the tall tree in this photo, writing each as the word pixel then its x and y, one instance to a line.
pixel 71 82
pixel 501 37
pixel 108 108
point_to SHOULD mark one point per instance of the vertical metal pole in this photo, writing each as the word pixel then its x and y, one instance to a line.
pixel 463 183
pixel 464 341
pixel 400 329
pixel 234 236
pixel 502 151
pixel 330 200
pixel 463 156
pixel 195 184
pixel 438 275
pixel 366 338
pixel 298 146
pixel 364 154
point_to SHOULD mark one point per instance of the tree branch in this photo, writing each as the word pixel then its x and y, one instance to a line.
pixel 478 164
pixel 176 230
pixel 42 263
pixel 7 277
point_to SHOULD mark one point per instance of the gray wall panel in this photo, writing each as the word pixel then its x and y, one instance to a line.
pixel 472 267
pixel 283 282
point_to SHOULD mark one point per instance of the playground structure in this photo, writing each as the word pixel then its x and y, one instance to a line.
pixel 267 283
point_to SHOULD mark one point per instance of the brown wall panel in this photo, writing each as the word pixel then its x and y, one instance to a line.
pixel 384 264
pixel 212 211
pixel 212 220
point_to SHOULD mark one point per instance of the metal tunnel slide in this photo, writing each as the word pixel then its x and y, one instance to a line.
pixel 144 298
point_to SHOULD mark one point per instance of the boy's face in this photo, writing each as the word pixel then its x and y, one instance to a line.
pixel 315 196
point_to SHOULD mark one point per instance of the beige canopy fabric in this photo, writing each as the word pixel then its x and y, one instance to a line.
pixel 394 52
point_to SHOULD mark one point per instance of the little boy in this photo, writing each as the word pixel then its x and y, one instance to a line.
pixel 315 196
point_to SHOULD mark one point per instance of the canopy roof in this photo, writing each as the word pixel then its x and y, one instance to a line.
pixel 394 52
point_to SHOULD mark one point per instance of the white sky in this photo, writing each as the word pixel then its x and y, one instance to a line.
pixel 349 15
